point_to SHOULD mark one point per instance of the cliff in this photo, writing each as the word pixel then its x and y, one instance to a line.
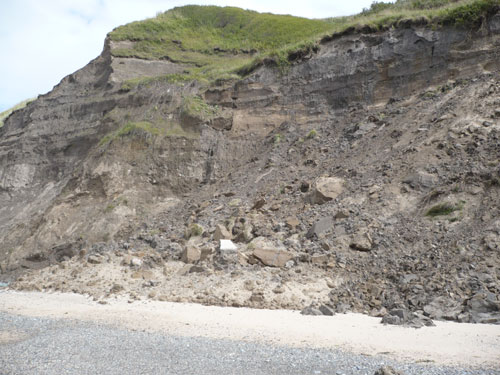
pixel 126 155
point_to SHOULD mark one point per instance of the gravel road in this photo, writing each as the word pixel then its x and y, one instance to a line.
pixel 43 346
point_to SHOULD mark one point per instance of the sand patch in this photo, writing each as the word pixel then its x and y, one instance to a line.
pixel 448 343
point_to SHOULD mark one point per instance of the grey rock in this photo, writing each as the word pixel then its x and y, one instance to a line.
pixel 443 308
pixel 191 254
pixel 406 279
pixel 310 310
pixel 492 241
pixel 387 370
pixel 245 234
pixel 320 228
pixel 406 318
pixel 484 302
pixel 325 189
pixel 365 128
pixel 342 214
pixel 273 257
pixel 175 249
pixel 326 310
pixel 421 180
pixel 197 269
pixel 392 320
pixel 221 233
pixel 95 259
pixel 361 241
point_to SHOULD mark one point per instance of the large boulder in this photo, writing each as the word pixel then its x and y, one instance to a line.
pixel 273 257
pixel 326 189
pixel 361 241
pixel 321 227
pixel 421 180
pixel 221 233
pixel 191 254
pixel 244 233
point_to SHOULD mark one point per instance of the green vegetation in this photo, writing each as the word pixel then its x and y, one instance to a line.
pixel 216 43
pixel 458 13
pixel 7 113
pixel 130 127
pixel 312 134
pixel 194 230
pixel 175 78
pixel 444 209
pixel 110 207
pixel 195 106
pixel 149 129
pixel 115 203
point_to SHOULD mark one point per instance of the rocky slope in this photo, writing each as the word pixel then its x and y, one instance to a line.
pixel 363 177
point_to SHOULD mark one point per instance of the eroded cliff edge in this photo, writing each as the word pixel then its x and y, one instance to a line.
pixel 397 115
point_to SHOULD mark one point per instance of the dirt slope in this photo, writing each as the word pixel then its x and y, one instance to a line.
pixel 363 178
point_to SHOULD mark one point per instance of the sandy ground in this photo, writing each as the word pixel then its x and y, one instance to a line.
pixel 448 343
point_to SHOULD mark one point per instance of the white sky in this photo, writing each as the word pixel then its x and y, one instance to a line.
pixel 42 41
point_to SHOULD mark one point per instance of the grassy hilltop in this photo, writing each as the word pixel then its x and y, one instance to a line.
pixel 229 42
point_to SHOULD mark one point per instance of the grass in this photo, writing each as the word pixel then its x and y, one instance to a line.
pixel 213 42
pixel 457 13
pixel 277 138
pixel 195 106
pixel 444 209
pixel 129 128
pixel 165 129
pixel 312 134
pixel 197 33
pixel 8 112
pixel 227 43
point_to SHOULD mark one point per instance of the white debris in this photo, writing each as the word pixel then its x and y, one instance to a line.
pixel 227 245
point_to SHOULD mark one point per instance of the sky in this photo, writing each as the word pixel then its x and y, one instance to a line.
pixel 43 41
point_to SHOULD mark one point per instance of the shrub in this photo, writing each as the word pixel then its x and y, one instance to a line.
pixel 312 134
pixel 194 230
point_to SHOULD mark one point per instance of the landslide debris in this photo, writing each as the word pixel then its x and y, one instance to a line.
pixel 362 178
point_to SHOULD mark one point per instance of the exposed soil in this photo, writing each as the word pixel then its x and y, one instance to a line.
pixel 366 179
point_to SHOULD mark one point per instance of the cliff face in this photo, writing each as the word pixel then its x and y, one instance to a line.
pixel 97 160
pixel 51 149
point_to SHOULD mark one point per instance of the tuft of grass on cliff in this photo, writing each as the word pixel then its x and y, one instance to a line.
pixel 217 43
pixel 8 112
pixel 149 130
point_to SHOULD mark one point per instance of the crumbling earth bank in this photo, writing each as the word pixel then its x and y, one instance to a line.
pixel 365 178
